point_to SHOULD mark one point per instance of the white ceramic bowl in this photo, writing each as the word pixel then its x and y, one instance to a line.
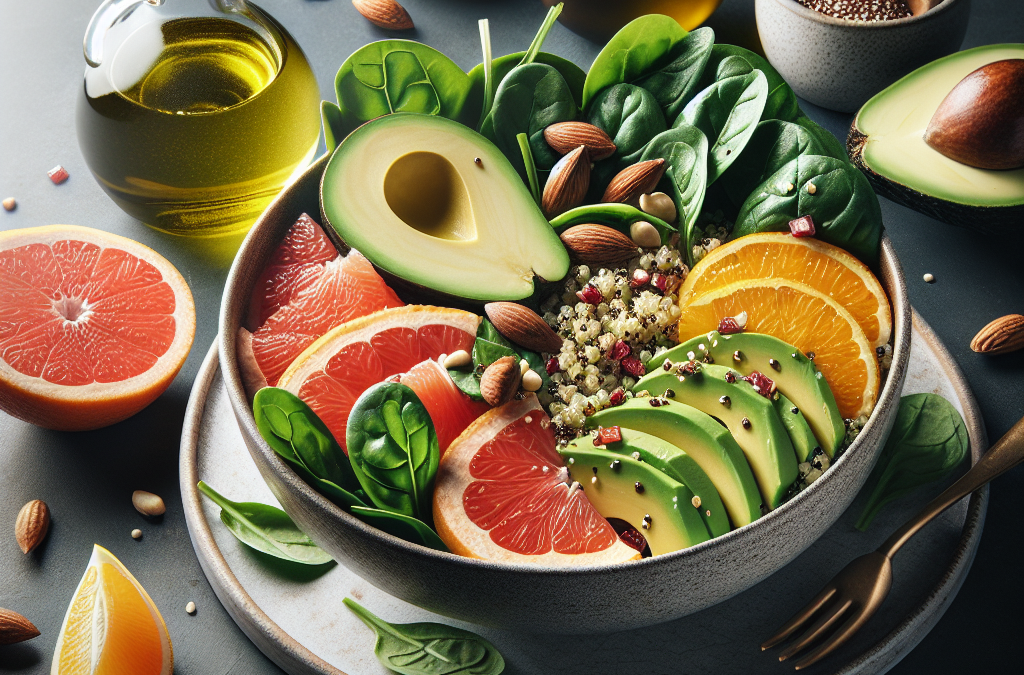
pixel 538 599
pixel 840 64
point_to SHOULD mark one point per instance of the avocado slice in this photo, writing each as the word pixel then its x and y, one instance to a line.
pixel 749 416
pixel 621 487
pixel 435 204
pixel 804 442
pixel 674 462
pixel 793 373
pixel 886 142
pixel 706 441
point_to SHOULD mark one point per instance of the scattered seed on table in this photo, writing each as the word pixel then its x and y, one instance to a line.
pixel 929 278
pixel 190 607
pixel 136 533
pixel 58 174
pixel 10 204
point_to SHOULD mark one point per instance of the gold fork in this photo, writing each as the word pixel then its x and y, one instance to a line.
pixel 853 595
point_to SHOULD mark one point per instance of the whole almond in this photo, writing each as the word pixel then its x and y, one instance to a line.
pixel 148 504
pixel 500 381
pixel 598 245
pixel 564 137
pixel 633 181
pixel 386 14
pixel 15 628
pixel 523 326
pixel 567 184
pixel 1004 335
pixel 32 524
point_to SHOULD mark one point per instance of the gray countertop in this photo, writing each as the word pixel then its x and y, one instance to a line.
pixel 87 478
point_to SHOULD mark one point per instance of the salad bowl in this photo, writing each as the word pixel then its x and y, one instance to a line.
pixel 530 598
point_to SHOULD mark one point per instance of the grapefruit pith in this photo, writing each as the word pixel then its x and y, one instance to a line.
pixel 502 493
pixel 93 326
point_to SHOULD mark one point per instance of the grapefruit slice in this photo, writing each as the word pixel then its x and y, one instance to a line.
pixel 502 493
pixel 449 408
pixel 333 371
pixel 93 326
pixel 112 626
pixel 347 289
pixel 778 255
pixel 297 262
pixel 805 318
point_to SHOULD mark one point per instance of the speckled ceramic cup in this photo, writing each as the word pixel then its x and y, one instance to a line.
pixel 538 599
pixel 840 64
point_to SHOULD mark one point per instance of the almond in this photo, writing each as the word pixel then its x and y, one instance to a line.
pixel 500 381
pixel 15 628
pixel 633 181
pixel 567 183
pixel 1005 334
pixel 32 524
pixel 564 137
pixel 598 245
pixel 386 14
pixel 523 326
pixel 148 504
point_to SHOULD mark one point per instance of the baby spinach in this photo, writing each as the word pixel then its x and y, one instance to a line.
pixel 489 346
pixel 830 145
pixel 685 151
pixel 781 102
pixel 843 206
pixel 401 526
pixel 674 83
pixel 619 216
pixel 640 47
pixel 267 529
pixel 331 118
pixel 530 166
pixel 393 449
pixel 402 76
pixel 631 116
pixel 501 66
pixel 429 648
pixel 727 112
pixel 928 440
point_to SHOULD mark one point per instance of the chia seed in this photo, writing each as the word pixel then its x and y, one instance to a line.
pixel 860 10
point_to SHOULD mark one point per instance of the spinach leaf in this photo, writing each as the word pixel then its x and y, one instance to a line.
pixel 675 83
pixel 531 167
pixel 781 102
pixel 267 529
pixel 429 648
pixel 529 99
pixel 331 118
pixel 402 76
pixel 773 144
pixel 844 207
pixel 727 112
pixel 501 66
pixel 831 145
pixel 489 346
pixel 393 449
pixel 631 116
pixel 619 216
pixel 401 526
pixel 685 151
pixel 640 47
pixel 928 440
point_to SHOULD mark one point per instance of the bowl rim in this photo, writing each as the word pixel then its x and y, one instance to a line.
pixel 888 395
pixel 818 17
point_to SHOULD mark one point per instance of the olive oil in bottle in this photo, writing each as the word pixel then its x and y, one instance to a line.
pixel 192 125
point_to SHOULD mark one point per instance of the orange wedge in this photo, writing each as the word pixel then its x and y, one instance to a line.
pixel 112 626
pixel 805 318
pixel 826 268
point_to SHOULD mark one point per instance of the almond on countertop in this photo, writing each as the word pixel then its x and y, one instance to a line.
pixel 1004 335
pixel 32 524
pixel 500 381
pixel 567 184
pixel 386 14
pixel 564 137
pixel 15 628
pixel 598 245
pixel 523 326
pixel 148 504
pixel 633 181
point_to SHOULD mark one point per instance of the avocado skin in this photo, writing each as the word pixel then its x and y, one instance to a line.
pixel 985 219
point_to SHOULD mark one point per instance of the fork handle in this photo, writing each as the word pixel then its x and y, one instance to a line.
pixel 1007 453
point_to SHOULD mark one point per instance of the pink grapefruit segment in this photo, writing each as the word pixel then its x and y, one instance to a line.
pixel 450 410
pixel 502 493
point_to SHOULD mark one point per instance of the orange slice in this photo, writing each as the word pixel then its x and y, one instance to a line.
pixel 502 493
pixel 805 318
pixel 333 371
pixel 93 326
pixel 112 626
pixel 826 268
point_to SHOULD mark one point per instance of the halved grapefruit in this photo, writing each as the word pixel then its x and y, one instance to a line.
pixel 502 493
pixel 332 373
pixel 449 408
pixel 93 326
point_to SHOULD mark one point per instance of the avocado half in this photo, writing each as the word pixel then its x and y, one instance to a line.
pixel 886 142
pixel 435 205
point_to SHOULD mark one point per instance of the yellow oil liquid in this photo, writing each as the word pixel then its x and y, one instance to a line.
pixel 202 139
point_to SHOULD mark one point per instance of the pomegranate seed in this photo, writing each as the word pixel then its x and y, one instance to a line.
pixel 619 351
pixel 552 365
pixel 618 397
pixel 660 282
pixel 728 326
pixel 640 278
pixel 590 295
pixel 802 227
pixel 762 384
pixel 690 368
pixel 632 538
pixel 633 366
pixel 609 434
pixel 58 174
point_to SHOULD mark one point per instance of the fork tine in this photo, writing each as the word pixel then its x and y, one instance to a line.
pixel 800 617
pixel 812 633
pixel 841 635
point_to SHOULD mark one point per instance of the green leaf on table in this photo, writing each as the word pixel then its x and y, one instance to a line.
pixel 267 529
pixel 429 648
